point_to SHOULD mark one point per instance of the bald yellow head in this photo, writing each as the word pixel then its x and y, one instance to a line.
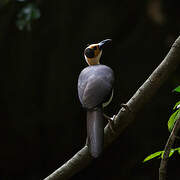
pixel 93 52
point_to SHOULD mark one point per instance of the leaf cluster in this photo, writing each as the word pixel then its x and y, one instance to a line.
pixel 173 118
pixel 160 154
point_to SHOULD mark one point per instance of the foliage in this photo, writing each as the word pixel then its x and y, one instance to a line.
pixel 154 155
pixel 174 116
pixel 27 15
pixel 160 154
pixel 171 123
pixel 177 89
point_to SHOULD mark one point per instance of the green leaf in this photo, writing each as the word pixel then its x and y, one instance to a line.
pixel 171 152
pixel 175 106
pixel 173 119
pixel 154 155
pixel 177 89
pixel 178 150
pixel 160 154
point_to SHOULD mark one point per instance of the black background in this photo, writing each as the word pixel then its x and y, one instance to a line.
pixel 42 123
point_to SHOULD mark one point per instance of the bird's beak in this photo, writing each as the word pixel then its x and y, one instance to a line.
pixel 103 43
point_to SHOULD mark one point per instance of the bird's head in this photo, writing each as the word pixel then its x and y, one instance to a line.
pixel 93 52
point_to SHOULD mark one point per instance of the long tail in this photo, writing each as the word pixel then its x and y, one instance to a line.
pixel 95 132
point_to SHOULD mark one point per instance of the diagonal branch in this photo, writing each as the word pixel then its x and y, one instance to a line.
pixel 167 149
pixel 125 116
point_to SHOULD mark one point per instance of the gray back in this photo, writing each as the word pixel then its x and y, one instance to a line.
pixel 95 85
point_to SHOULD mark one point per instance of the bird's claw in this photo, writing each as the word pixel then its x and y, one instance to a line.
pixel 87 142
pixel 111 122
pixel 112 118
pixel 126 107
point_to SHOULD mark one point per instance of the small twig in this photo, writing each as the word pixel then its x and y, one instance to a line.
pixel 124 118
pixel 167 149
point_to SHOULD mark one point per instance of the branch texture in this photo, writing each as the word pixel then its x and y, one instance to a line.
pixel 126 114
pixel 167 149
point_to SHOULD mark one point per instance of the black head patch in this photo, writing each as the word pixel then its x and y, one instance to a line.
pixel 89 53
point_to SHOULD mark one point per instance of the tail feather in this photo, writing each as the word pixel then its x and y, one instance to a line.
pixel 95 132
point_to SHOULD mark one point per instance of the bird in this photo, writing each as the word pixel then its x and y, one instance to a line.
pixel 95 91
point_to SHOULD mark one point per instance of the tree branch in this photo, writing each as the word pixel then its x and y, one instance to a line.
pixel 167 149
pixel 125 116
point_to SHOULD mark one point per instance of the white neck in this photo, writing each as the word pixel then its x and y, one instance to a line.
pixel 93 61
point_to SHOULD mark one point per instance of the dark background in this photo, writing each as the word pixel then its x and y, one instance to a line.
pixel 42 123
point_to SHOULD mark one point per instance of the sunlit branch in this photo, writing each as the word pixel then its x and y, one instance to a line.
pixel 125 115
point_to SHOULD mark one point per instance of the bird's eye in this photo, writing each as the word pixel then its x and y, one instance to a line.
pixel 89 52
pixel 95 47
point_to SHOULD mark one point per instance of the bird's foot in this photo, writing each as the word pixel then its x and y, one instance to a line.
pixel 126 107
pixel 111 122
pixel 86 144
